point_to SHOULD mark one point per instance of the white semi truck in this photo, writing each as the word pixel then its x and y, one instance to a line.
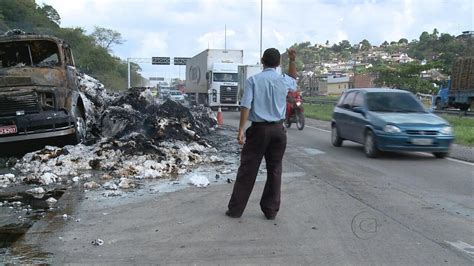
pixel 212 77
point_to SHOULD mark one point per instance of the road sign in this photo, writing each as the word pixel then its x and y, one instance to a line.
pixel 156 79
pixel 180 60
pixel 160 60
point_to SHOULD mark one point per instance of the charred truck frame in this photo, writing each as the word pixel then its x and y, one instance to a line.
pixel 39 95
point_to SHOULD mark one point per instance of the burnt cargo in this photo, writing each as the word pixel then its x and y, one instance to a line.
pixel 39 96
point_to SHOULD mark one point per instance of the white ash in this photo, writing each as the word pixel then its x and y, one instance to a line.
pixel 126 183
pixel 91 185
pixel 199 181
pixel 51 201
pixel 112 193
pixel 110 185
pixel 37 190
pixel 225 171
pixel 7 179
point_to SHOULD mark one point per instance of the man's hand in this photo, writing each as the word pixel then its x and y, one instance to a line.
pixel 244 115
pixel 241 137
pixel 291 54
pixel 292 64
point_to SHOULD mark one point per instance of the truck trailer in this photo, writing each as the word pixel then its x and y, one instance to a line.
pixel 212 77
pixel 245 72
pixel 459 90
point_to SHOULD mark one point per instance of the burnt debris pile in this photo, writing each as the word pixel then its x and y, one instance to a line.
pixel 135 113
pixel 132 137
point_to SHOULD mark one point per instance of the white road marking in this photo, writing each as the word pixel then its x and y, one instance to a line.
pixel 320 129
pixel 449 159
pixel 462 247
pixel 311 151
pixel 424 153
pixel 459 161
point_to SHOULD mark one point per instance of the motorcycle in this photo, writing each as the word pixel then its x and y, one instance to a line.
pixel 294 110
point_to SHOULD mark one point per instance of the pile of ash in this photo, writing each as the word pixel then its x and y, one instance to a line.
pixel 131 137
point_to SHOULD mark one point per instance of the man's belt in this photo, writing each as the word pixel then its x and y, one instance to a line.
pixel 268 122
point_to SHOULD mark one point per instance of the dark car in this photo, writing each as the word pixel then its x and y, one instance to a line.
pixel 39 94
pixel 389 120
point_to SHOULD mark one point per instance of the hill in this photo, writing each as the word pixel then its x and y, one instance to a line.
pixel 91 55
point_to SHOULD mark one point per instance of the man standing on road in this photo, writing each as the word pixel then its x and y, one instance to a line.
pixel 264 104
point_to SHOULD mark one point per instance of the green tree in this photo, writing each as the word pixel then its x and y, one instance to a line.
pixel 405 76
pixel 365 45
pixel 106 37
pixel 51 13
pixel 403 41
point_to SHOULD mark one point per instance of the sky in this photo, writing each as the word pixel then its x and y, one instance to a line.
pixel 183 28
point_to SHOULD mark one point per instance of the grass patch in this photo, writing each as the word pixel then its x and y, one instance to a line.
pixel 318 111
pixel 463 126
pixel 463 129
pixel 324 97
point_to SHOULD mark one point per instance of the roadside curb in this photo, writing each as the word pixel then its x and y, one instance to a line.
pixel 458 152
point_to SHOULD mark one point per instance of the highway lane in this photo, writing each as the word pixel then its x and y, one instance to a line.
pixel 338 208
pixel 430 197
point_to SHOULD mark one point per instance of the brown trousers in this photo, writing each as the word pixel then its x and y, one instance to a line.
pixel 262 139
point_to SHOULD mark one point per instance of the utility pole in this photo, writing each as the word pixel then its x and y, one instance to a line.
pixel 128 71
pixel 261 21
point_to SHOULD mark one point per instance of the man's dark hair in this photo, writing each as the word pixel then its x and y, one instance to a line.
pixel 271 57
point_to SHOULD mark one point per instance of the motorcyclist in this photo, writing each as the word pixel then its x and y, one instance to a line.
pixel 290 100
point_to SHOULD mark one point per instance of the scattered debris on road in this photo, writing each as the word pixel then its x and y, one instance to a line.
pixel 97 242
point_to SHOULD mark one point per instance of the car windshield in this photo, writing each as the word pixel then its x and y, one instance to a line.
pixel 393 102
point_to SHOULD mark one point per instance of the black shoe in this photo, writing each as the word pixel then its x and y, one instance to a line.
pixel 228 213
pixel 270 216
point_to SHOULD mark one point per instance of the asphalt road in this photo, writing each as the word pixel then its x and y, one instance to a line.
pixel 338 207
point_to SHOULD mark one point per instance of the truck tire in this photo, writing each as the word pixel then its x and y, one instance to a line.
pixel 438 104
pixel 464 107
pixel 79 125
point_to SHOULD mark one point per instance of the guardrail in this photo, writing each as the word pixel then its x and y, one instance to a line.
pixel 444 112
pixel 333 102
pixel 454 112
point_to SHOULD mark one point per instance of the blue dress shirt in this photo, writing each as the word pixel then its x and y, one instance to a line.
pixel 265 95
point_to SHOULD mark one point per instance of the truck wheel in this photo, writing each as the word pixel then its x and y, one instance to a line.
pixel 438 104
pixel 80 126
pixel 464 107
pixel 440 155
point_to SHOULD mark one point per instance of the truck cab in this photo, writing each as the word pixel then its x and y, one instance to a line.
pixel 223 84
pixel 39 95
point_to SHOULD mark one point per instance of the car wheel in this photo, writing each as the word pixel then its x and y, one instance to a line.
pixel 336 140
pixel 370 146
pixel 440 155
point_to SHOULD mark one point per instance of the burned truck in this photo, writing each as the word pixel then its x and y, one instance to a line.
pixel 39 94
